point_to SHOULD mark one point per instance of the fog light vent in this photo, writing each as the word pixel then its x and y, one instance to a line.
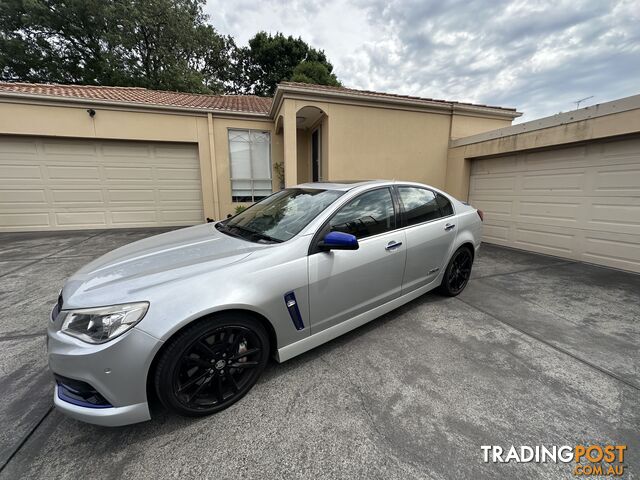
pixel 80 393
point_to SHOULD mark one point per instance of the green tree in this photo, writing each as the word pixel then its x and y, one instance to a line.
pixel 57 41
pixel 161 44
pixel 314 72
pixel 270 59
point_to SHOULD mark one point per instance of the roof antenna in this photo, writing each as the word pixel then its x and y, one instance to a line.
pixel 578 102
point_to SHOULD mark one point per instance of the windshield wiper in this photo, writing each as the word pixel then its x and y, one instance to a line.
pixel 226 229
pixel 261 235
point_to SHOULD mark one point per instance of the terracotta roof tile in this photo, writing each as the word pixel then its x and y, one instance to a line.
pixel 369 93
pixel 143 96
pixel 228 103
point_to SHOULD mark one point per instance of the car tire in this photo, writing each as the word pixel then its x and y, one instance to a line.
pixel 211 364
pixel 457 274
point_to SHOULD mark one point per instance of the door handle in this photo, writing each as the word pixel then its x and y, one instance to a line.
pixel 449 226
pixel 391 245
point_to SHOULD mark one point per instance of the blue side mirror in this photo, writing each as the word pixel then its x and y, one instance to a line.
pixel 338 241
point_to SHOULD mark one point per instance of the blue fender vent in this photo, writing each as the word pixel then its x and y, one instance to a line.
pixel 294 311
pixel 80 393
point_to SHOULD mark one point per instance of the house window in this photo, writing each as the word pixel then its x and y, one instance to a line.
pixel 250 156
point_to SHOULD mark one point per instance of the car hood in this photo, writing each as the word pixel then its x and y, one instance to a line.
pixel 152 261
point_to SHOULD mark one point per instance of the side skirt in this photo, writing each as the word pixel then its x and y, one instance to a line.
pixel 308 343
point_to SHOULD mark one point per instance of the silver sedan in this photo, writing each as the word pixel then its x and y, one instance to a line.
pixel 193 315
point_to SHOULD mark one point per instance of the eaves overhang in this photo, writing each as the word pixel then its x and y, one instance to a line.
pixel 384 100
pixel 120 105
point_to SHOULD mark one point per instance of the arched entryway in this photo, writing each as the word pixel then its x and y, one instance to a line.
pixel 304 128
pixel 310 121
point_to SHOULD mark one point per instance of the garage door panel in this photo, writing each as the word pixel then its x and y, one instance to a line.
pixel 495 209
pixel 139 217
pixel 17 148
pixel 60 149
pixel 170 216
pixel 497 165
pixel 176 174
pixel 117 151
pixel 128 173
pixel 81 219
pixel 553 211
pixel 25 219
pixel 618 180
pixel 553 159
pixel 73 172
pixel 171 153
pixel 21 172
pixel 620 251
pixel 22 197
pixel 495 233
pixel 545 239
pixel 179 196
pixel 615 217
pixel 77 197
pixel 48 183
pixel 557 183
pixel 131 196
pixel 628 149
pixel 493 184
pixel 573 203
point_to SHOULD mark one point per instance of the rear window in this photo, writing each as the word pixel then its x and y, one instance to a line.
pixel 445 205
pixel 420 205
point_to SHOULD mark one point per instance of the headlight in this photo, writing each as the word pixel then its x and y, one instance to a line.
pixel 99 325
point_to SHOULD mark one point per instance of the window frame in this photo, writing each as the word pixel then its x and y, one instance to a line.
pixel 403 211
pixel 251 180
pixel 323 230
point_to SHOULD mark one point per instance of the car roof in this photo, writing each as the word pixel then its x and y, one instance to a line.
pixel 346 185
pixel 343 185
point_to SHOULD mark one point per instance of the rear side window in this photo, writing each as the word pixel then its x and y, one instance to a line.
pixel 420 205
pixel 445 205
pixel 368 214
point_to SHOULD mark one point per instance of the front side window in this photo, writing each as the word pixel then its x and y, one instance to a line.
pixel 368 214
pixel 280 216
pixel 420 205
pixel 250 156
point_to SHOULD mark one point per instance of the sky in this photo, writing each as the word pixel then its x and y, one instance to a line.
pixel 538 56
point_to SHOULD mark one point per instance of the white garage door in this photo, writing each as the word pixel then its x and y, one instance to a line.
pixel 57 184
pixel 581 203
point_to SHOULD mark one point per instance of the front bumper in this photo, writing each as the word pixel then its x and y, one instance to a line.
pixel 107 417
pixel 117 370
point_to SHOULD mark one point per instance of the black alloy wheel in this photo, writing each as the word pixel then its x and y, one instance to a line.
pixel 457 274
pixel 212 364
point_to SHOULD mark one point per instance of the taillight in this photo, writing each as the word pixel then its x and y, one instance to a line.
pixel 481 215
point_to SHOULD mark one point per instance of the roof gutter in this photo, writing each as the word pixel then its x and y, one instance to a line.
pixel 132 105
pixel 449 107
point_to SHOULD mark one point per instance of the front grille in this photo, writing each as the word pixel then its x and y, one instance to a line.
pixel 80 393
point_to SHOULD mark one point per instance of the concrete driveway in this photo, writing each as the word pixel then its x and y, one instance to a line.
pixel 536 351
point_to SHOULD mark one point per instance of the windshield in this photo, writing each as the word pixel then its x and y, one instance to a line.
pixel 280 216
